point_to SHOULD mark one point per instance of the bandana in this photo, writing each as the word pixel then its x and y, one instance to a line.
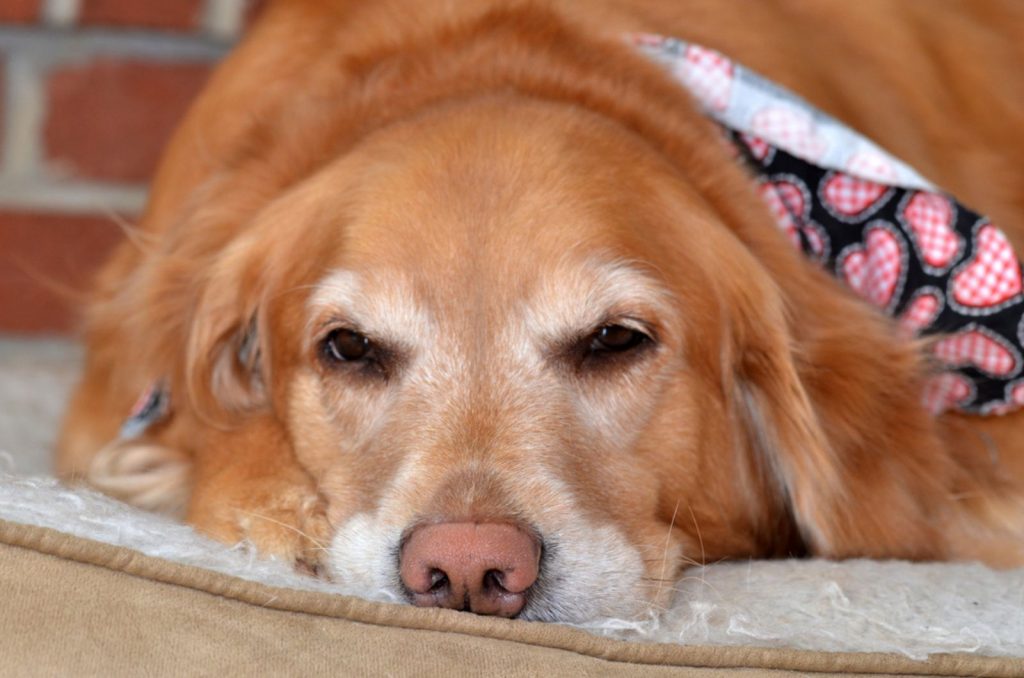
pixel 151 408
pixel 894 239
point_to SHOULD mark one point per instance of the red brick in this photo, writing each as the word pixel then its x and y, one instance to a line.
pixel 46 264
pixel 110 119
pixel 160 14
pixel 19 11
pixel 3 98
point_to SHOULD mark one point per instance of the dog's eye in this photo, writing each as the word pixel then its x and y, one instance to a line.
pixel 616 339
pixel 609 346
pixel 347 346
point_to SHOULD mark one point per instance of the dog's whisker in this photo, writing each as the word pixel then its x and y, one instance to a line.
pixel 140 239
pixel 308 536
pixel 684 559
pixel 668 543
pixel 677 588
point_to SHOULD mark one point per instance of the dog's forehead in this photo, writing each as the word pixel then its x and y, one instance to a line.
pixel 487 187
pixel 475 221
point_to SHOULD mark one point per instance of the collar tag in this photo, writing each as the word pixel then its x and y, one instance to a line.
pixel 151 408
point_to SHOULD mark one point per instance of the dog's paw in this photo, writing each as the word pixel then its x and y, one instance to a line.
pixel 286 521
pixel 293 527
pixel 146 475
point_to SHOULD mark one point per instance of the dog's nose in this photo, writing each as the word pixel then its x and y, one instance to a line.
pixel 486 568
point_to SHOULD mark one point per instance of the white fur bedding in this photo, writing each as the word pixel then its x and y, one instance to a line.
pixel 914 609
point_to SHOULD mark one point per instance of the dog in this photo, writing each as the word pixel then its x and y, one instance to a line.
pixel 466 304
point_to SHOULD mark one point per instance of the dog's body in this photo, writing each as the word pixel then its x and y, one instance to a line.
pixel 410 267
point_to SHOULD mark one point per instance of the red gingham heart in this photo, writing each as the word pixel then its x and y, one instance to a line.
pixel 929 217
pixel 874 269
pixel 787 198
pixel 977 348
pixel 850 196
pixel 759 148
pixel 817 239
pixel 921 312
pixel 946 391
pixel 992 276
pixel 1014 399
pixel 872 165
pixel 790 129
pixel 709 75
pixel 784 199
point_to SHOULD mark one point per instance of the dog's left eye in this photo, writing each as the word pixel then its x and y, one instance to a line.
pixel 347 346
pixel 355 354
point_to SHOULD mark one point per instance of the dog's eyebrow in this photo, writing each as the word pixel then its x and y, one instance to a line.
pixel 389 313
pixel 578 298
pixel 339 288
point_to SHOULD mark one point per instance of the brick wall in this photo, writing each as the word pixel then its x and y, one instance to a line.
pixel 90 90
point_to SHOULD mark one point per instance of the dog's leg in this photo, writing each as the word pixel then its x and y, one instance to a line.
pixel 92 421
pixel 240 484
pixel 150 473
pixel 249 488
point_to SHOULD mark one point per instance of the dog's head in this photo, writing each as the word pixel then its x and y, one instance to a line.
pixel 537 368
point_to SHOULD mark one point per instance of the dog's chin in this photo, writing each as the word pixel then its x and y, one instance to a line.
pixel 588 573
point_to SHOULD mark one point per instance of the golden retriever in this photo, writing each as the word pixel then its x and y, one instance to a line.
pixel 466 303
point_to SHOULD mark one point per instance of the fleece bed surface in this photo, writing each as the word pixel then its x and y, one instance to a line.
pixel 82 573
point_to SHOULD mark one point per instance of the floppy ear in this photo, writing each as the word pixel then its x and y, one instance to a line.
pixel 829 395
pixel 226 360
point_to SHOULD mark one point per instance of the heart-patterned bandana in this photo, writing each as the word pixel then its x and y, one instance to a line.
pixel 887 233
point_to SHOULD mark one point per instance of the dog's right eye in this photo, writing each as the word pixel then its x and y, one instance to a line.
pixel 616 339
pixel 347 346
pixel 609 345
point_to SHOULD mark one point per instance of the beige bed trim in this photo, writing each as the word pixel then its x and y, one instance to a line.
pixel 48 575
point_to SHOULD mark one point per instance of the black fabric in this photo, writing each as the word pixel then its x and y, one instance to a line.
pixel 829 237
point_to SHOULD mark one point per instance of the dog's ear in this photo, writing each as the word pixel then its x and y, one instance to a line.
pixel 226 358
pixel 829 397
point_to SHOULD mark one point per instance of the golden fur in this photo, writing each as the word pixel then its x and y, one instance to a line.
pixel 472 184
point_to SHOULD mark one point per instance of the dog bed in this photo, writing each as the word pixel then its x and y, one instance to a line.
pixel 93 587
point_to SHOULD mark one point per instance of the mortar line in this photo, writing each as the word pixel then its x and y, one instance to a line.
pixel 58 47
pixel 61 13
pixel 222 19
pixel 23 126
pixel 39 194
